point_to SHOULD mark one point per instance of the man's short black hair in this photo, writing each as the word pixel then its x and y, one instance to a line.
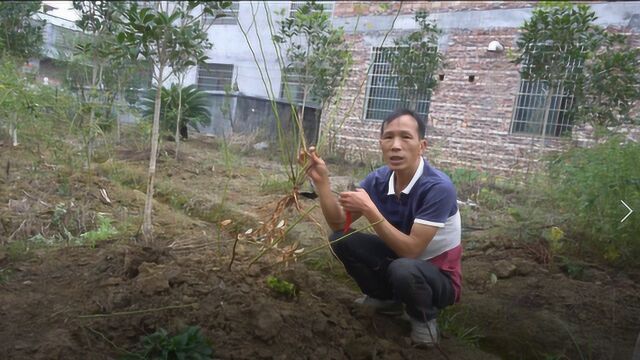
pixel 422 129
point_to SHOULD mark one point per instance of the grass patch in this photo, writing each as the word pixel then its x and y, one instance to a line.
pixel 453 320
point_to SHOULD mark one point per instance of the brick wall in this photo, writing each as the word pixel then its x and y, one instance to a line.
pixel 354 8
pixel 469 122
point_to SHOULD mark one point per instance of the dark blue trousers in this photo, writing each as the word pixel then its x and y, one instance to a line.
pixel 381 274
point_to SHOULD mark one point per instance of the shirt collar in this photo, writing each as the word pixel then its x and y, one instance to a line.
pixel 413 181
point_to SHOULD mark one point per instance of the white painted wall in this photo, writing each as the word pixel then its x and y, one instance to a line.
pixel 231 47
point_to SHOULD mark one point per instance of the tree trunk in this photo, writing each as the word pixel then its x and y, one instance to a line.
pixel 92 115
pixel 179 116
pixel 147 226
pixel 545 118
pixel 13 129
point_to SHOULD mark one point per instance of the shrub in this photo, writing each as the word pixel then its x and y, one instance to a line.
pixel 588 185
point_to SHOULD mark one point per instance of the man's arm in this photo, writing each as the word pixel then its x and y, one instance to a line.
pixel 318 172
pixel 410 246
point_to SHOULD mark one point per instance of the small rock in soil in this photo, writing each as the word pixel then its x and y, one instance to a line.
pixel 360 348
pixel 504 269
pixel 267 322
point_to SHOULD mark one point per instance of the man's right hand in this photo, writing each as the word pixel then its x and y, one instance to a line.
pixel 316 169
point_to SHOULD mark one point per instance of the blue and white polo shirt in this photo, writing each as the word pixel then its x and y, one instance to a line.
pixel 429 199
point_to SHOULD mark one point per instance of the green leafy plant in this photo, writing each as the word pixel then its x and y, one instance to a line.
pixel 159 34
pixel 562 48
pixel 415 60
pixel 104 231
pixel 192 102
pixel 589 184
pixel 452 320
pixel 281 287
pixel 190 344
pixel 21 35
pixel 318 55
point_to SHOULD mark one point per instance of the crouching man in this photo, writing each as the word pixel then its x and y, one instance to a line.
pixel 412 263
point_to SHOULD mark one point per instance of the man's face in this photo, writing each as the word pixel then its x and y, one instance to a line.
pixel 401 145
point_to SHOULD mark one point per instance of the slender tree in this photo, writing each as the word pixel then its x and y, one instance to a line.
pixel 415 60
pixel 99 20
pixel 185 61
pixel 317 54
pixel 155 34
pixel 20 39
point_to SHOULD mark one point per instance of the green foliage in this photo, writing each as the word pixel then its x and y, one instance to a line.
pixel 316 51
pixel 194 108
pixel 415 60
pixel 5 275
pixel 453 321
pixel 104 231
pixel 190 344
pixel 274 184
pixel 16 96
pixel 21 36
pixel 561 44
pixel 281 287
pixel 610 86
pixel 588 184
pixel 490 199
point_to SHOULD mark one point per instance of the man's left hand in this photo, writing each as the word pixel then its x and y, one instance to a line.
pixel 357 201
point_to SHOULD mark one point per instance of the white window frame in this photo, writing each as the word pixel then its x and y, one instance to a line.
pixel 222 76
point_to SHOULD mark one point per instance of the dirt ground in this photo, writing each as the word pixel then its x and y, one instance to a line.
pixel 95 301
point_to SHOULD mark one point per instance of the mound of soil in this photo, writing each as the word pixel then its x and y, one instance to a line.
pixel 81 303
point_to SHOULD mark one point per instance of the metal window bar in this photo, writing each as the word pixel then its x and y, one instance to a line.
pixel 295 5
pixel 530 107
pixel 230 16
pixel 294 81
pixel 382 94
pixel 214 77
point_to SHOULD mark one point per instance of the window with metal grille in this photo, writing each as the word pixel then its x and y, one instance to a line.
pixel 543 110
pixel 295 5
pixel 215 76
pixel 293 81
pixel 383 95
pixel 230 15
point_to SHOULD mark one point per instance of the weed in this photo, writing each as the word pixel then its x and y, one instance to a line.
pixel 282 287
pixel 452 322
pixel 189 344
pixel 5 275
pixel 490 199
pixel 589 184
pixel 274 184
pixel 104 231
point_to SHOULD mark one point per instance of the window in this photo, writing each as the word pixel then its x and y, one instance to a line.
pixel 230 15
pixel 66 39
pixel 293 82
pixel 215 77
pixel 539 108
pixel 383 95
pixel 295 5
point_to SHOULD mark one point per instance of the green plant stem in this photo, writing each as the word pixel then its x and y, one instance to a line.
pixel 136 311
pixel 129 353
